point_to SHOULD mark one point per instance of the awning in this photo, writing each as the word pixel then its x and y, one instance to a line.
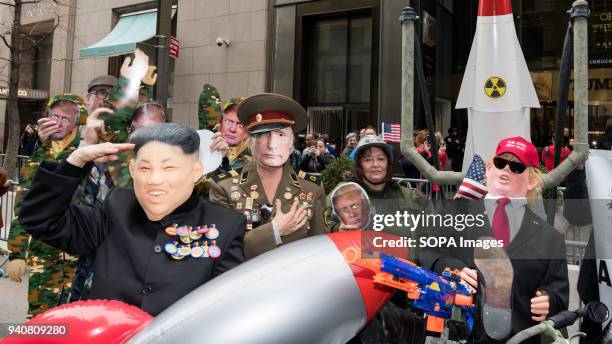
pixel 131 29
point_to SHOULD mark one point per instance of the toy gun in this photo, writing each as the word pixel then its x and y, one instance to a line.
pixel 442 298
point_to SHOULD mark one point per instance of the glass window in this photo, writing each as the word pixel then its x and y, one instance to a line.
pixel 340 60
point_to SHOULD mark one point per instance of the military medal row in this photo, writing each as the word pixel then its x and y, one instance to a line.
pixel 193 242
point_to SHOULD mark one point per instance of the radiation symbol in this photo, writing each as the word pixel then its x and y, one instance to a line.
pixel 495 87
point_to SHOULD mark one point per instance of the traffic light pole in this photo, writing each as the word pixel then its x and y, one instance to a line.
pixel 164 27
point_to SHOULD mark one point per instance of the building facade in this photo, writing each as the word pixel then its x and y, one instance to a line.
pixel 341 59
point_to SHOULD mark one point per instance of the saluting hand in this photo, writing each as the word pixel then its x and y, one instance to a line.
pixel 291 221
pixel 102 152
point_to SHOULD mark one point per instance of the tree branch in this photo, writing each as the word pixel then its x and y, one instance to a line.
pixel 6 42
pixel 7 4
pixel 36 42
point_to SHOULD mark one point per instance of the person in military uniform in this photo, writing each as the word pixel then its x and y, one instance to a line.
pixel 51 270
pixel 154 243
pixel 279 205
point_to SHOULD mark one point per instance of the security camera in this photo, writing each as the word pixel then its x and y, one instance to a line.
pixel 222 41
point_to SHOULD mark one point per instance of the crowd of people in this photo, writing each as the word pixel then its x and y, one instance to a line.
pixel 115 193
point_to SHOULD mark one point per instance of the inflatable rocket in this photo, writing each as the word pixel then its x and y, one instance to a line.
pixel 309 291
pixel 497 89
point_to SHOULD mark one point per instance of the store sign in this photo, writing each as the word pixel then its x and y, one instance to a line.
pixel 173 47
pixel 25 93
pixel 600 39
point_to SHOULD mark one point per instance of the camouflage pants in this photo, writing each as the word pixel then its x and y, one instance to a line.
pixel 49 285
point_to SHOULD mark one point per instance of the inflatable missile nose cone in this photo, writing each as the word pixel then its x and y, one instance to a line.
pixel 497 89
pixel 315 290
pixel 89 322
pixel 488 8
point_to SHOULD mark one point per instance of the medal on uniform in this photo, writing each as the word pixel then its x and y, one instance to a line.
pixel 213 233
pixel 195 235
pixel 214 251
pixel 171 248
pixel 184 250
pixel 235 195
pixel 309 197
pixel 302 196
pixel 255 217
pixel 249 203
pixel 203 229
pixel 171 231
pixel 235 180
pixel 177 256
pixel 183 231
pixel 254 194
pixel 254 187
pixel 186 239
pixel 238 206
pixel 234 188
pixel 287 195
pixel 197 251
pixel 205 250
pixel 288 189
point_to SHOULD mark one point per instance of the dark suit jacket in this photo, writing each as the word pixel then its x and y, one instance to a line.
pixel 130 262
pixel 537 254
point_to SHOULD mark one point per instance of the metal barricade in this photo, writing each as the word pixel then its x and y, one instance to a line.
pixel 7 206
pixel 21 159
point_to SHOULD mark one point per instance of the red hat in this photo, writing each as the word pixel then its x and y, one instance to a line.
pixel 524 150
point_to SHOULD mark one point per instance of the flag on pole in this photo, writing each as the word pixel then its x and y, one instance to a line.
pixel 472 186
pixel 391 132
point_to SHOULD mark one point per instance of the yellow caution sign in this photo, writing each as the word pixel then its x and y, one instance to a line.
pixel 495 87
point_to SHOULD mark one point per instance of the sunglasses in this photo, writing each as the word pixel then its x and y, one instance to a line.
pixel 515 167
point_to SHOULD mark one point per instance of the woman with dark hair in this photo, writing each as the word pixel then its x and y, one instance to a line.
pixel 373 171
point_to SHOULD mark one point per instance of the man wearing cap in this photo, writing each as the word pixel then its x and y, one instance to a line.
pixel 279 205
pixel 533 284
pixel 98 91
pixel 50 269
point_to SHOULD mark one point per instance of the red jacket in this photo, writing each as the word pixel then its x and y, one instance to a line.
pixel 548 156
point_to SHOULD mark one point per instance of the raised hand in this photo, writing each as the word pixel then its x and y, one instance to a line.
pixel 46 128
pixel 102 152
pixel 138 68
pixel 94 128
pixel 219 143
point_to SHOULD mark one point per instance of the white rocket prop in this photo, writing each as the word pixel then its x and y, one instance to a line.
pixel 497 89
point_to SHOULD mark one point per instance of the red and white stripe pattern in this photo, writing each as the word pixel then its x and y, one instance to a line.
pixel 472 186
pixel 391 132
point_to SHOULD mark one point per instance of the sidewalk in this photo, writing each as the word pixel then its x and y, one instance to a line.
pixel 13 302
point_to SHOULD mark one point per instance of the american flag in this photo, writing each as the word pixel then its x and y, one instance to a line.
pixel 472 186
pixel 391 132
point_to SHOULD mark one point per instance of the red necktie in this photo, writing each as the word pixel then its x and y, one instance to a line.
pixel 501 226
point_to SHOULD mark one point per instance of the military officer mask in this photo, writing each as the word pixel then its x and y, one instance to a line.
pixel 165 168
pixel 272 148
